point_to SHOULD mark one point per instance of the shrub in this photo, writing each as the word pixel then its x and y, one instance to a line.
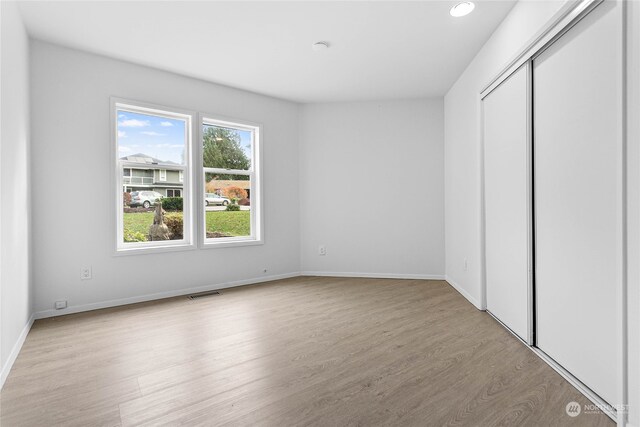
pixel 134 236
pixel 174 223
pixel 126 198
pixel 235 193
pixel 244 202
pixel 233 208
pixel 172 204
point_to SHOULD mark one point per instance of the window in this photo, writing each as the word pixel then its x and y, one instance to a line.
pixel 231 186
pixel 152 159
pixel 149 141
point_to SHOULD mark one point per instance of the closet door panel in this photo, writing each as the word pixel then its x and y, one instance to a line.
pixel 576 146
pixel 506 201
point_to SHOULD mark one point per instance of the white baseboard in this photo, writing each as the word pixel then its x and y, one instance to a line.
pixel 160 295
pixel 373 275
pixel 169 294
pixel 175 293
pixel 464 293
pixel 15 351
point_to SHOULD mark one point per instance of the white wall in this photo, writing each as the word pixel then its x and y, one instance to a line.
pixel 371 182
pixel 15 283
pixel 462 142
pixel 72 224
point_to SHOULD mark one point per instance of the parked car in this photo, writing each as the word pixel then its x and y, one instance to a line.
pixel 144 198
pixel 214 199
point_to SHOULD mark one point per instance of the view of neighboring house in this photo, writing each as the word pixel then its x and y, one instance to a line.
pixel 218 186
pixel 143 172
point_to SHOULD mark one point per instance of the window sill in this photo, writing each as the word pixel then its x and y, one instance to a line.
pixel 226 243
pixel 154 249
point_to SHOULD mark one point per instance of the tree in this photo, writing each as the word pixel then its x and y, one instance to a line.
pixel 222 148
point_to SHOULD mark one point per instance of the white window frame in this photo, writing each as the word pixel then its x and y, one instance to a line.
pixel 255 176
pixel 162 175
pixel 116 182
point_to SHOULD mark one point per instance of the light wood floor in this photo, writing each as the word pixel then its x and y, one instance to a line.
pixel 304 351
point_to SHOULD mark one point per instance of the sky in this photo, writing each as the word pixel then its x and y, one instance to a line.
pixel 155 136
pixel 158 137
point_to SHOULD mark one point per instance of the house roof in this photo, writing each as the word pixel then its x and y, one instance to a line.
pixel 145 159
pixel 224 183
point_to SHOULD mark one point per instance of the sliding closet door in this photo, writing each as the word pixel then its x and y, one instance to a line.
pixel 506 201
pixel 576 87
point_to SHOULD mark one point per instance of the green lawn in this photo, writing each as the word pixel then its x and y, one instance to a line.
pixel 138 222
pixel 233 223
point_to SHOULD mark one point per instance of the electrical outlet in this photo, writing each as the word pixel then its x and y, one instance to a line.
pixel 85 273
pixel 322 250
pixel 466 265
pixel 60 305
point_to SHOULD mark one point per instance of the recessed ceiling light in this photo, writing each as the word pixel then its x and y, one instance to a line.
pixel 462 9
pixel 320 46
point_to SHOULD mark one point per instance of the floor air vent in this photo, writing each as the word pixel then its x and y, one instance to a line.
pixel 204 294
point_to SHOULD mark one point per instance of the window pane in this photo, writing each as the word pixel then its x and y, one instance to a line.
pixel 151 140
pixel 139 211
pixel 153 148
pixel 227 200
pixel 175 192
pixel 226 148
